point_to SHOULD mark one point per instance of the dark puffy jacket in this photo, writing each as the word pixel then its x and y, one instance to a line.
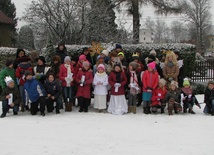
pixel 208 96
pixel 53 88
pixel 175 94
pixel 15 92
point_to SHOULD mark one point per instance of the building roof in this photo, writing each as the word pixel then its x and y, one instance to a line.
pixel 4 19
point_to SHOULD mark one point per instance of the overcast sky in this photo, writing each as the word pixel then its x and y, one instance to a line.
pixel 146 11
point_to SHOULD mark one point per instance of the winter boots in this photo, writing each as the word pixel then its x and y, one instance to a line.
pixel 68 106
pixel 146 110
pixel 132 109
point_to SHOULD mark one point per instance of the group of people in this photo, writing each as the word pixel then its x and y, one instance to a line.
pixel 28 83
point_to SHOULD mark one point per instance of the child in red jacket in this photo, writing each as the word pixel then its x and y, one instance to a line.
pixel 84 80
pixel 150 81
pixel 158 97
pixel 117 80
pixel 67 75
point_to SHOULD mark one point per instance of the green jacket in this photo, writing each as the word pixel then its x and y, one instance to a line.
pixel 15 92
pixel 7 72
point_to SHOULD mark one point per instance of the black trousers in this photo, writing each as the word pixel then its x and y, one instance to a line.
pixel 84 103
pixel 34 106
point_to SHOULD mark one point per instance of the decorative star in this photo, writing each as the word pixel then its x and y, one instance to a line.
pixel 96 48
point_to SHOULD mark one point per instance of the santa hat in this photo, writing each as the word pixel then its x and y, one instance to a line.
pixel 152 65
pixel 174 83
pixel 82 57
pixel 186 82
pixel 162 81
pixel 101 66
pixel 8 80
pixel 105 52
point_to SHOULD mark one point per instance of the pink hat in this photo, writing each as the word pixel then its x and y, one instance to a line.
pixel 85 63
pixel 152 65
pixel 101 66
pixel 82 57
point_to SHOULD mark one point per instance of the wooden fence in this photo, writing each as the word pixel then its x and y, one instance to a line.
pixel 204 71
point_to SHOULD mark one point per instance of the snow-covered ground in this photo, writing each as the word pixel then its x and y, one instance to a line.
pixel 93 133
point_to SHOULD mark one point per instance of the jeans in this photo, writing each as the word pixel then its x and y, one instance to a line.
pixel 208 109
pixel 67 94
pixel 132 99
pixel 6 107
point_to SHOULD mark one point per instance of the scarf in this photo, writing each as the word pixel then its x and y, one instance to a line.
pixel 118 77
pixel 68 67
pixel 187 91
pixel 101 74
pixel 133 79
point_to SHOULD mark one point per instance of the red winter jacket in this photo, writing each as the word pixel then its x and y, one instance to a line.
pixel 20 72
pixel 150 80
pixel 85 90
pixel 112 81
pixel 63 74
pixel 156 96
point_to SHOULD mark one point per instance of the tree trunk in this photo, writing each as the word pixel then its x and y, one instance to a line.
pixel 136 21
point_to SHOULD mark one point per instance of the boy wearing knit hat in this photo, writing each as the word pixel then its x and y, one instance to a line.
pixel 188 97
pixel 158 97
pixel 10 97
pixel 209 98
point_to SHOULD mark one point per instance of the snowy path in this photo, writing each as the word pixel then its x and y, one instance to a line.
pixel 93 133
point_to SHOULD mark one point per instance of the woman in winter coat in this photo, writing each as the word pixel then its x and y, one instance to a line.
pixel 158 97
pixel 41 70
pixel 84 79
pixel 117 80
pixel 61 51
pixel 173 98
pixel 100 83
pixel 54 91
pixel 55 66
pixel 20 75
pixel 7 71
pixel 67 76
pixel 171 68
pixel 150 82
pixel 19 53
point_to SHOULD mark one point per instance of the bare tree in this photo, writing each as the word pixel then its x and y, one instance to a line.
pixel 161 31
pixel 178 31
pixel 197 12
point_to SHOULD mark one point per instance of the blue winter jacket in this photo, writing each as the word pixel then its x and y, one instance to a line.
pixel 33 90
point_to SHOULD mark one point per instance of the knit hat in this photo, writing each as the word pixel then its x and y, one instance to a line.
pixel 134 65
pixel 67 58
pixel 27 72
pixel 186 82
pixel 82 57
pixel 101 66
pixel 24 59
pixel 152 65
pixel 153 52
pixel 105 52
pixel 99 57
pixel 121 53
pixel 42 59
pixel 118 46
pixel 8 80
pixel 85 63
pixel 174 83
pixel 162 81
pixel 8 62
pixel 210 82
